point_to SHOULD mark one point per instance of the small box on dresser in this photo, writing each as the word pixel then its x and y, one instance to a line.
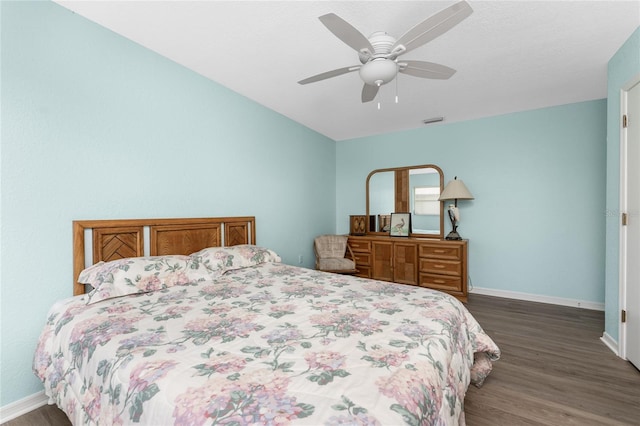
pixel 358 224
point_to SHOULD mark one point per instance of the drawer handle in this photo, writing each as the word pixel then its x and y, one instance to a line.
pixel 439 251
pixel 439 281
pixel 439 266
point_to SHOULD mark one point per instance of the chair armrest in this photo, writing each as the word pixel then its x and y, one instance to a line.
pixel 349 254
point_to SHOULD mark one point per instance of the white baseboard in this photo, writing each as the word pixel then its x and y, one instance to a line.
pixel 22 406
pixel 538 298
pixel 606 338
pixel 611 344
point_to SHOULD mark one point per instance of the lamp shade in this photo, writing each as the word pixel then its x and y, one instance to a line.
pixel 455 190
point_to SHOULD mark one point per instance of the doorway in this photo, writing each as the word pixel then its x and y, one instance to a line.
pixel 630 231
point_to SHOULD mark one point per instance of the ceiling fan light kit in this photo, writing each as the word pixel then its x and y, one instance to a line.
pixel 379 53
pixel 378 71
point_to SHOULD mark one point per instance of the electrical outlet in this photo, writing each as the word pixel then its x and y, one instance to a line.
pixel 300 259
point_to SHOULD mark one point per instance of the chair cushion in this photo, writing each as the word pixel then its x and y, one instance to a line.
pixel 331 246
pixel 333 264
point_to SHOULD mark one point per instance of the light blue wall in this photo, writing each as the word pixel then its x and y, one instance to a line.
pixel 537 222
pixel 79 102
pixel 97 127
pixel 623 66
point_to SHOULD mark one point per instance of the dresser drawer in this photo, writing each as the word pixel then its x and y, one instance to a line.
pixel 363 271
pixel 360 245
pixel 441 251
pixel 362 258
pixel 441 282
pixel 445 267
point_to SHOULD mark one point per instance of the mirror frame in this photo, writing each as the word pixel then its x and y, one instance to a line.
pixel 402 195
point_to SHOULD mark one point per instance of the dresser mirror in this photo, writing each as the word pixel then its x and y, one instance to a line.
pixel 413 189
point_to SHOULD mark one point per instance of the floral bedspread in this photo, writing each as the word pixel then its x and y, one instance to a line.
pixel 269 344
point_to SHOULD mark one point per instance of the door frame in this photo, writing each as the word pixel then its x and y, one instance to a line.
pixel 622 278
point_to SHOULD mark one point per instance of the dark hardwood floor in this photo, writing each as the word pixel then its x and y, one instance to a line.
pixel 554 370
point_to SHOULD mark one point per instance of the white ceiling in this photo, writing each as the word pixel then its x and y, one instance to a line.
pixel 509 55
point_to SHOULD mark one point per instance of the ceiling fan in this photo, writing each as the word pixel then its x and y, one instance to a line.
pixel 379 53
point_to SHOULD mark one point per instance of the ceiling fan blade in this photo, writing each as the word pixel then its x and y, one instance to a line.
pixel 346 32
pixel 369 92
pixel 329 74
pixel 434 26
pixel 425 69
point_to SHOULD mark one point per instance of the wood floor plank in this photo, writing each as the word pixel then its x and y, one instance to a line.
pixel 554 371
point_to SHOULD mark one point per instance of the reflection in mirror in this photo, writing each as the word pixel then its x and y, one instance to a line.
pixel 412 189
pixel 381 199
pixel 424 190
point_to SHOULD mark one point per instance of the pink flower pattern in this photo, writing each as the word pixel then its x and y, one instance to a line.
pixel 346 322
pixel 419 399
pixel 259 398
pixel 253 347
pixel 148 373
pixel 383 357
pixel 229 291
pixel 91 401
pixel 327 361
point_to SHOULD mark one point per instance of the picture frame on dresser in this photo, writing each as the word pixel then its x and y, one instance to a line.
pixel 384 222
pixel 400 225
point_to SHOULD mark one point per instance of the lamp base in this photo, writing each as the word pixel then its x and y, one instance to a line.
pixel 453 235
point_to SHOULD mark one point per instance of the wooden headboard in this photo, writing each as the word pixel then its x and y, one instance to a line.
pixel 121 238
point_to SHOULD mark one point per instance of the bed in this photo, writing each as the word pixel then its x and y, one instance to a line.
pixel 199 325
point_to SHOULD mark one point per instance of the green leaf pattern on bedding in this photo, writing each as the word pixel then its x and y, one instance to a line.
pixel 267 344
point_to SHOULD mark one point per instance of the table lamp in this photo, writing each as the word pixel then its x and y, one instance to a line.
pixel 455 190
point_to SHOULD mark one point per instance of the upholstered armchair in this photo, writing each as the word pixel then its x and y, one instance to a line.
pixel 333 254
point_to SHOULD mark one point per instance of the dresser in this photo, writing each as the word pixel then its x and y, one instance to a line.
pixel 433 263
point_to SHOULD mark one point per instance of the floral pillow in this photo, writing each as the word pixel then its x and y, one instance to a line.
pixel 140 275
pixel 221 259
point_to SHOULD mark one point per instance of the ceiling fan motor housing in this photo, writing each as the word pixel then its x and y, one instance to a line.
pixel 381 42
